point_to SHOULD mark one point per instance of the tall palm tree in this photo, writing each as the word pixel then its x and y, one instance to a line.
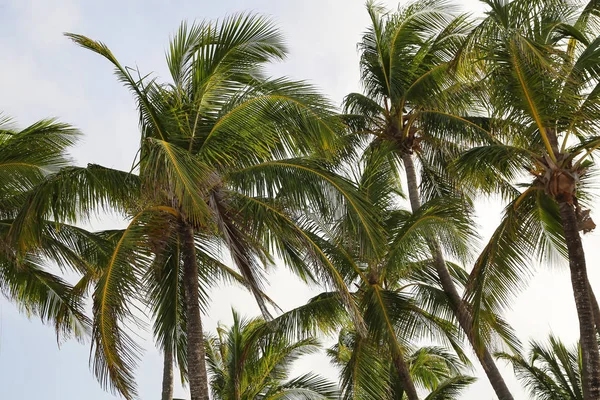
pixel 367 371
pixel 249 360
pixel 163 294
pixel 551 370
pixel 222 165
pixel 27 156
pixel 540 60
pixel 398 295
pixel 414 103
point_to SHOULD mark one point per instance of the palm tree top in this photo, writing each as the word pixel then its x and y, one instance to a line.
pixel 228 159
pixel 550 370
pixel 249 360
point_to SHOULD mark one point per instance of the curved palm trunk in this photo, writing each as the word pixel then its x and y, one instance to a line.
pixel 167 383
pixel 459 307
pixel 404 374
pixel 583 302
pixel 196 354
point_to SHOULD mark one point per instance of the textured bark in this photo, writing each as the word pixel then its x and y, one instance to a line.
pixel 404 374
pixel 465 321
pixel 167 383
pixel 196 354
pixel 583 302
pixel 411 179
pixel 595 309
pixel 459 307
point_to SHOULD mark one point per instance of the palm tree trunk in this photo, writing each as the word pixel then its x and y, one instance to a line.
pixel 465 321
pixel 459 307
pixel 595 309
pixel 167 383
pixel 405 378
pixel 411 179
pixel 196 353
pixel 585 312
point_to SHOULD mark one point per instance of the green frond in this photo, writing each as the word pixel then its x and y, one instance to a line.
pixel 115 352
pixel 308 386
pixel 493 168
pixel 530 227
pixel 251 360
pixel 27 156
pixel 275 119
pixel 242 248
pixel 235 47
pixel 308 182
pixel 149 118
pixel 323 313
pixel 39 293
pixel 302 250
pixel 550 370
pixel 451 389
pixel 170 168
pixel 431 366
pixel 364 373
pixel 443 218
pixel 72 195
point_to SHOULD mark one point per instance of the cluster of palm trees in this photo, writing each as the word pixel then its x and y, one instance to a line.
pixel 237 171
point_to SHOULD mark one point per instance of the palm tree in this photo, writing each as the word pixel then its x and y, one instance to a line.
pixel 398 296
pixel 367 371
pixel 222 165
pixel 539 60
pixel 551 370
pixel 393 321
pixel 27 156
pixel 249 360
pixel 415 104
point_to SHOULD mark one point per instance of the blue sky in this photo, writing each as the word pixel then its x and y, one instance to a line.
pixel 42 74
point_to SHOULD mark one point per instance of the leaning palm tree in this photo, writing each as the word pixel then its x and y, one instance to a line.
pixel 540 60
pixel 221 166
pixel 27 156
pixel 249 360
pixel 398 295
pixel 551 370
pixel 367 371
pixel 393 321
pixel 414 104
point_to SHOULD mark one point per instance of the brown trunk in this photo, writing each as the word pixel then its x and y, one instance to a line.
pixel 411 180
pixel 465 321
pixel 404 374
pixel 581 290
pixel 461 312
pixel 167 383
pixel 196 353
pixel 595 309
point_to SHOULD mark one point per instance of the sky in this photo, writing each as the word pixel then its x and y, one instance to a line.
pixel 42 74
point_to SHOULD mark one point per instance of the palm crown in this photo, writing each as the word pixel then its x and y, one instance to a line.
pixel 397 296
pixel 366 372
pixel 222 164
pixel 27 156
pixel 232 161
pixel 551 370
pixel 546 135
pixel 250 360
pixel 538 61
pixel 413 98
pixel 420 104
